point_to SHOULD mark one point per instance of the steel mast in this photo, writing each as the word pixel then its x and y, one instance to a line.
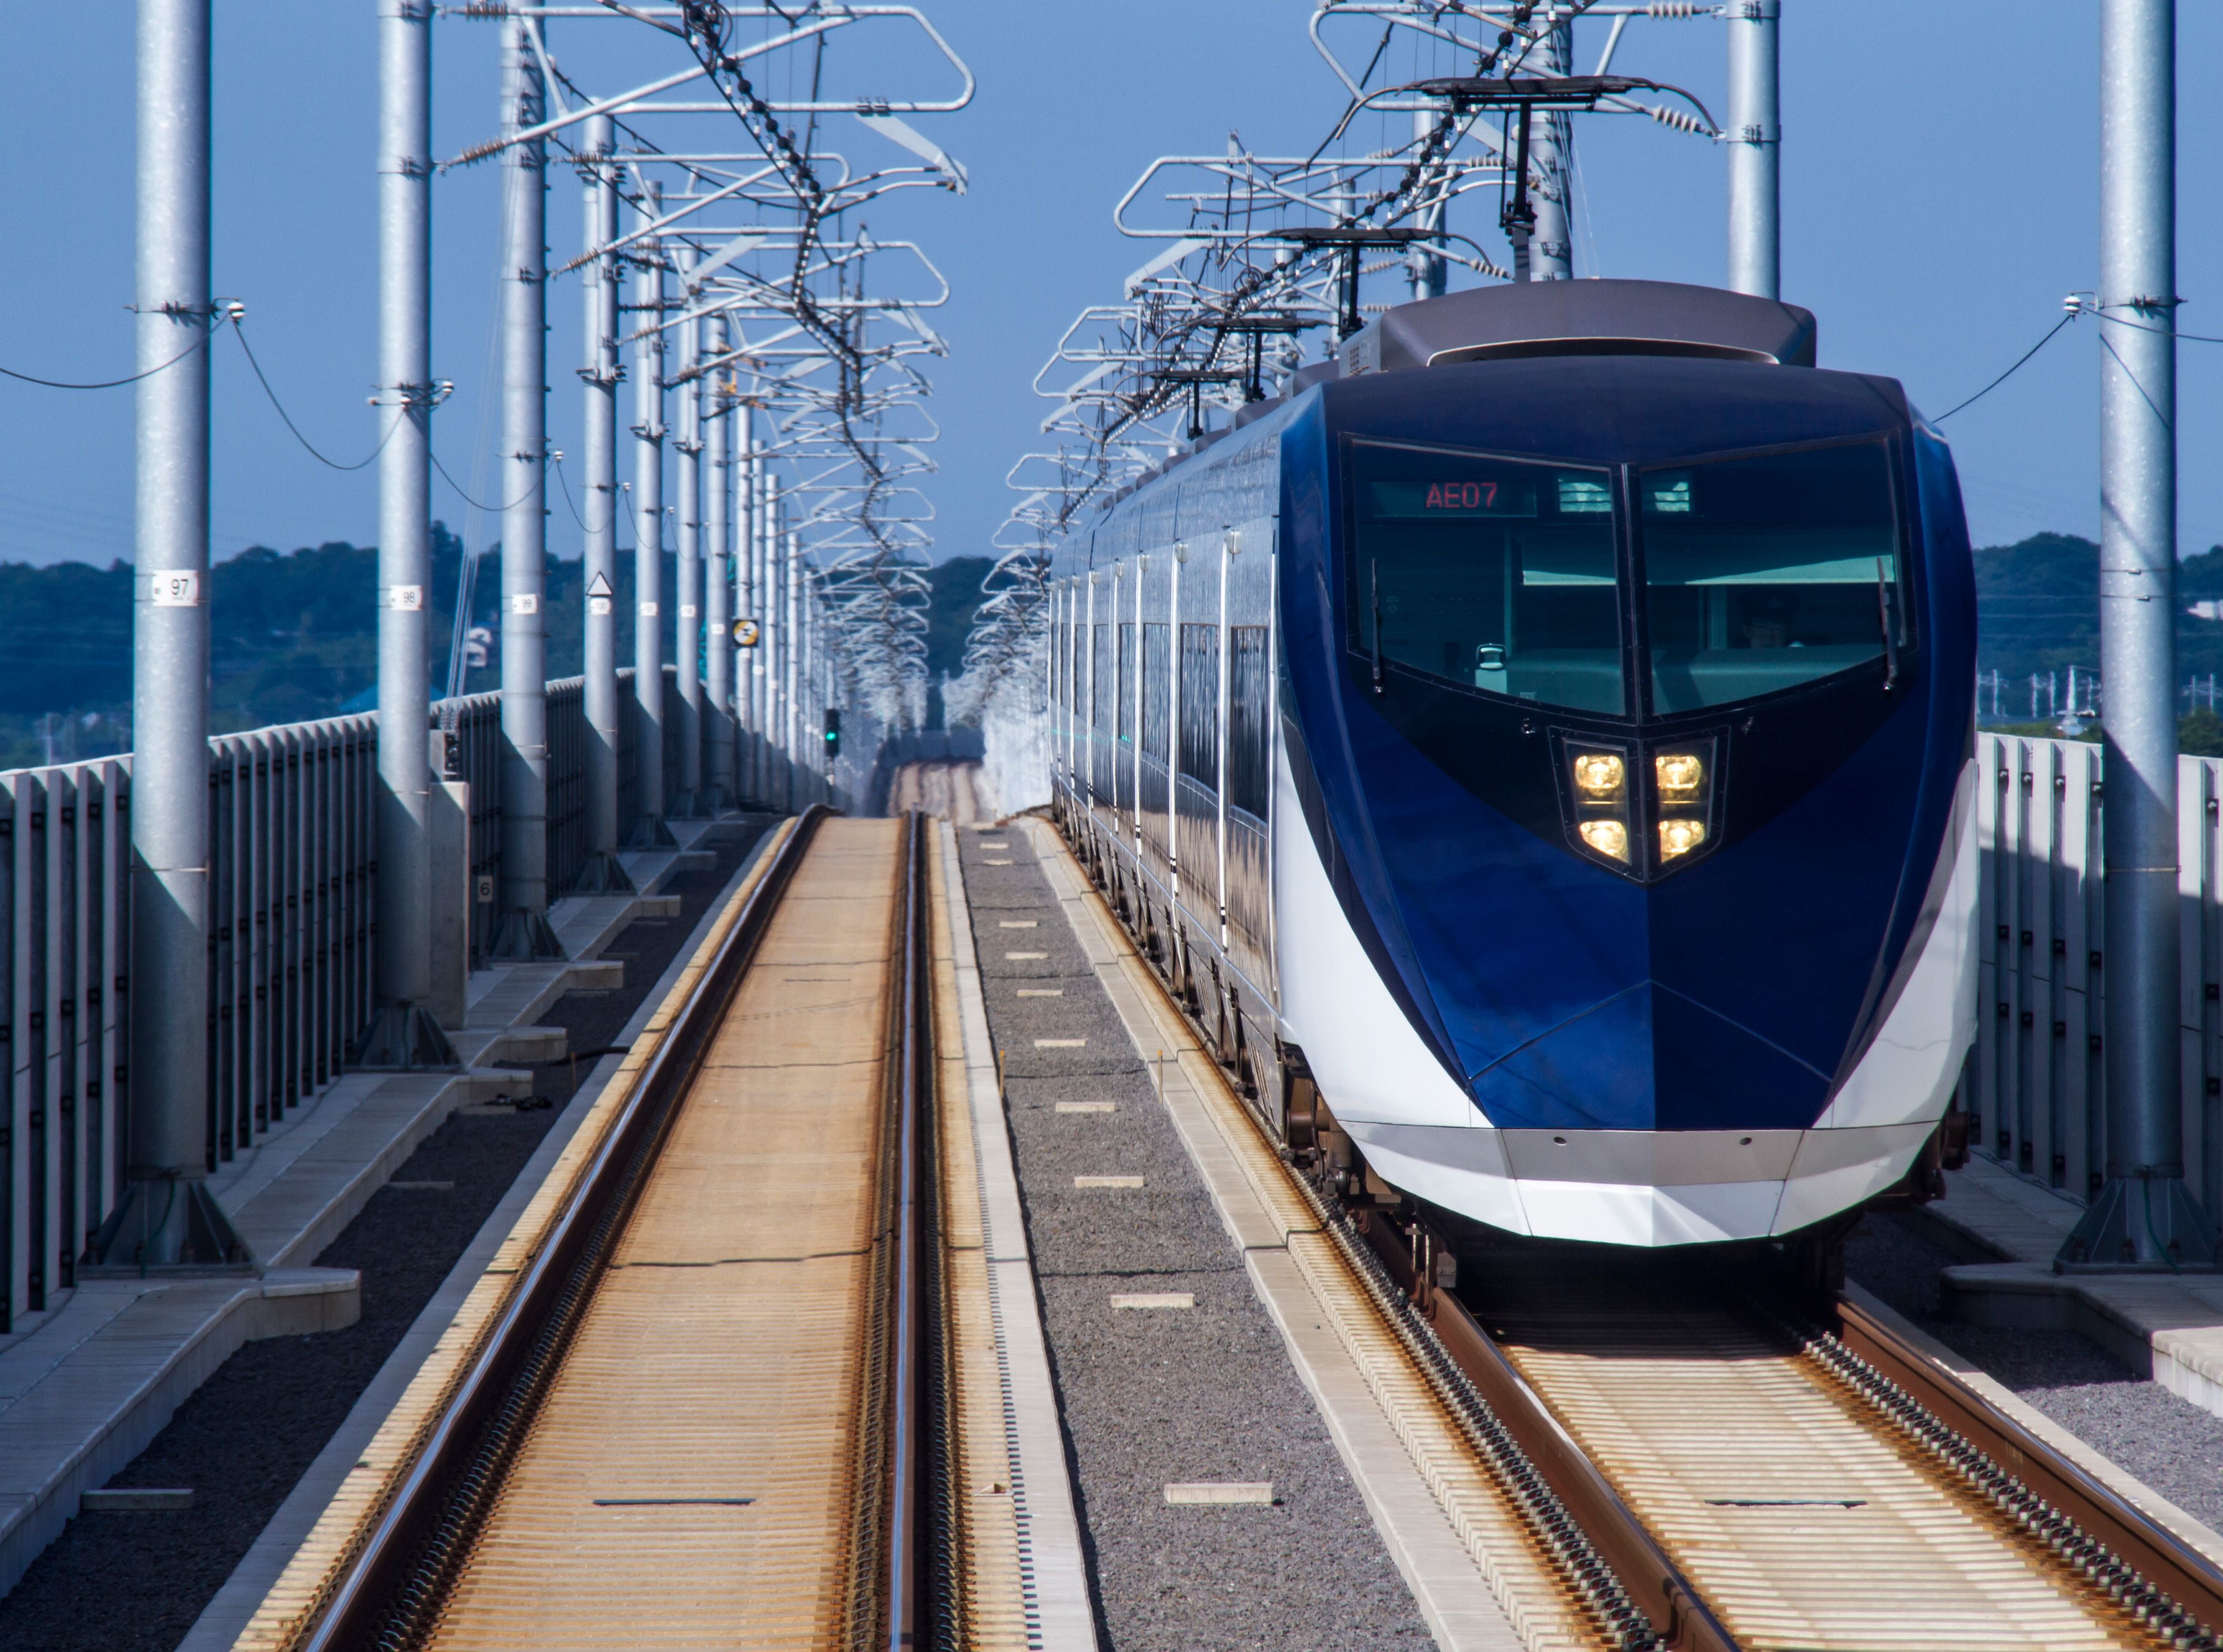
pixel 602 874
pixel 2144 1217
pixel 522 488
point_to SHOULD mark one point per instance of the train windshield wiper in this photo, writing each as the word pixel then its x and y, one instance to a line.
pixel 1374 580
pixel 1883 613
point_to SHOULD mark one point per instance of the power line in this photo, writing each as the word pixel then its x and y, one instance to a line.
pixel 2012 371
pixel 109 384
pixel 2166 332
pixel 490 510
pixel 558 464
pixel 2078 306
pixel 240 333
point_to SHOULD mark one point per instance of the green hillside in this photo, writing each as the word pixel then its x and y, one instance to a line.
pixel 293 635
pixel 2038 606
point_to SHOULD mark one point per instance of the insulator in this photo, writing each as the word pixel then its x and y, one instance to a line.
pixel 1673 9
pixel 1680 119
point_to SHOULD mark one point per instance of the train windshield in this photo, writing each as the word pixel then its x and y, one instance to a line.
pixel 1764 573
pixel 1490 572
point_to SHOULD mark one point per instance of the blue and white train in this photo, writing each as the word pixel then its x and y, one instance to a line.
pixel 1539 748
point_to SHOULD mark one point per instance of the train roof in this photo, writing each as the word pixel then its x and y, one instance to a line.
pixel 1520 320
pixel 1582 318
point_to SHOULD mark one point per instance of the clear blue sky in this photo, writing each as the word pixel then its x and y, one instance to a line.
pixel 1939 181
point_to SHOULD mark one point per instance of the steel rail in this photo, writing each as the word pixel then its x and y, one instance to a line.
pixel 2118 1547
pixel 2162 1564
pixel 1678 1614
pixel 2092 1530
pixel 384 1596
pixel 907 1536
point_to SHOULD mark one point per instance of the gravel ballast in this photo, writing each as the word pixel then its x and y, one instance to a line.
pixel 135 1581
pixel 2169 1443
pixel 1163 1396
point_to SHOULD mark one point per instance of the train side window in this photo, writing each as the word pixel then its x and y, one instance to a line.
pixel 1100 677
pixel 1123 717
pixel 1764 573
pixel 1494 574
pixel 1199 703
pixel 1248 749
pixel 1157 693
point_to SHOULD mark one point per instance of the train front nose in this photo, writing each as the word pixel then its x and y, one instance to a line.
pixel 1651 1057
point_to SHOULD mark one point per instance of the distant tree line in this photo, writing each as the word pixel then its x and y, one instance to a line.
pixel 294 635
pixel 2038 612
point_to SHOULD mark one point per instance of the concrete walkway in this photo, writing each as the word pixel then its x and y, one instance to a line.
pixel 87 1385
pixel 2167 1325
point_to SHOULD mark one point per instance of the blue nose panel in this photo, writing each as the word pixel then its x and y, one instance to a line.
pixel 1650 1058
pixel 1709 1073
pixel 1591 1073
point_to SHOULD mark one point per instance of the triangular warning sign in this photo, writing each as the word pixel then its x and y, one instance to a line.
pixel 600 586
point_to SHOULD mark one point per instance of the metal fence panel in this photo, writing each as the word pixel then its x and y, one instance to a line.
pixel 293 895
pixel 2038 1095
pixel 567 781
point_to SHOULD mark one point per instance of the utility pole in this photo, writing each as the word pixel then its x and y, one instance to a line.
pixel 402 1035
pixel 521 485
pixel 2144 1217
pixel 167 1217
pixel 718 604
pixel 602 873
pixel 649 831
pixel 1551 254
pixel 782 637
pixel 806 677
pixel 761 509
pixel 1755 137
pixel 687 652
pixel 768 730
pixel 790 660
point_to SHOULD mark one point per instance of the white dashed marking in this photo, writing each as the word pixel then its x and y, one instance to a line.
pixel 1107 1181
pixel 1153 1299
pixel 1222 1492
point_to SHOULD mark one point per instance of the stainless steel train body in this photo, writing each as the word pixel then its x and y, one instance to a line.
pixel 1539 749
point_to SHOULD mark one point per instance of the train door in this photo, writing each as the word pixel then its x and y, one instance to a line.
pixel 1248 761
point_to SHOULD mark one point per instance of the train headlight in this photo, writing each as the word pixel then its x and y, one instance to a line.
pixel 1680 774
pixel 1680 837
pixel 1609 838
pixel 1599 776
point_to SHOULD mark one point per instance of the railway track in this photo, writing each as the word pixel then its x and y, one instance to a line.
pixel 734 1389
pixel 1693 1452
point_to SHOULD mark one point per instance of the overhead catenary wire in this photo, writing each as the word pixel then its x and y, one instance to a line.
pixel 2078 305
pixel 2148 327
pixel 2051 334
pixel 556 464
pixel 262 379
pixel 479 505
pixel 392 426
pixel 199 343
